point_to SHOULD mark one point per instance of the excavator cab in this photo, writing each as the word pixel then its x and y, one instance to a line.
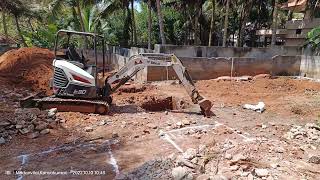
pixel 74 75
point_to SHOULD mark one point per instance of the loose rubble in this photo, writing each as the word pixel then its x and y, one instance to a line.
pixel 30 122
pixel 310 133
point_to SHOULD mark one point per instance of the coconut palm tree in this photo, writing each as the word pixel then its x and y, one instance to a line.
pixel 18 9
pixel 226 22
pixel 274 22
pixel 246 6
pixel 149 24
pixel 161 26
pixel 4 24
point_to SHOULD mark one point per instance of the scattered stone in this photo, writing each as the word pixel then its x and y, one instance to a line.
pixel 190 153
pixel 237 158
pixel 88 129
pixel 228 156
pixel 152 126
pixel 315 159
pixel 180 173
pixel 52 112
pixel 234 167
pixel 102 123
pixel 146 131
pixel 62 121
pixel 24 130
pixel 263 126
pixel 2 140
pixel 262 76
pixel 250 177
pixel 179 124
pixel 115 135
pixel 136 136
pixel 274 165
pixel 4 123
pixel 261 172
pixel 219 177
pixel 22 122
pixel 202 149
pixel 19 126
pixel 41 126
pixel 186 122
pixel 45 131
pixel 166 112
pixel 198 136
pixel 33 135
pixel 203 177
pixel 279 149
pixel 244 174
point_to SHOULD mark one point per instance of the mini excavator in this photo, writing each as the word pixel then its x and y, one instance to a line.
pixel 80 87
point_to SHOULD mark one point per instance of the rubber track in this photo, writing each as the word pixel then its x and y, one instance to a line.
pixel 73 105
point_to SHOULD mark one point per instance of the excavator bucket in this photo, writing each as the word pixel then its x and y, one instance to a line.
pixel 205 106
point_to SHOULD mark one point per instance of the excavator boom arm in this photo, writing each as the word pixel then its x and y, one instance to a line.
pixel 139 62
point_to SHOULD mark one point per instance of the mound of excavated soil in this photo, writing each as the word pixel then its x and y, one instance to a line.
pixel 29 67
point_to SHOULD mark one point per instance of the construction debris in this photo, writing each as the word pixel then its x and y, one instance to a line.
pixel 258 108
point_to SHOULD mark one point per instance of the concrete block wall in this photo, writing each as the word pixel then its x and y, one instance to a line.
pixel 217 51
pixel 310 66
pixel 236 62
pixel 210 68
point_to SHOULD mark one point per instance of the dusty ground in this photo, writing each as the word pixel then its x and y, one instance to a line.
pixel 124 143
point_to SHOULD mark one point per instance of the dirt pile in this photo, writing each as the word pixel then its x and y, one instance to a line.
pixel 158 104
pixel 29 67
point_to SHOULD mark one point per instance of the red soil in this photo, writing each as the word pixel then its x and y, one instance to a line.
pixel 28 67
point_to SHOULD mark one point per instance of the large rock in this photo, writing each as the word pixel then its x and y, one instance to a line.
pixel 41 126
pixel 180 173
pixel 261 172
pixel 4 123
pixel 52 112
pixel 45 131
pixel 2 140
pixel 203 177
pixel 190 153
pixel 314 157
pixel 25 115
pixel 34 135
pixel 219 177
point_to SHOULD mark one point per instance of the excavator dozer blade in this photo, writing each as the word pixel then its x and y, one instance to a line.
pixel 205 106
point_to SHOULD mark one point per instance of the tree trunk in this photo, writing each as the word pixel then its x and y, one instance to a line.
pixel 160 18
pixel 126 26
pixel 80 17
pixel 245 17
pixel 196 30
pixel 274 23
pixel 149 24
pixel 82 24
pixel 133 24
pixel 30 24
pixel 226 22
pixel 19 31
pixel 212 21
pixel 4 24
pixel 290 15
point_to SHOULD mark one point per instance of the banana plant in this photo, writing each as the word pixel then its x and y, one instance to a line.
pixel 313 40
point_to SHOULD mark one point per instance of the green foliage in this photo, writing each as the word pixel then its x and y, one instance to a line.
pixel 44 36
pixel 313 39
pixel 113 19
